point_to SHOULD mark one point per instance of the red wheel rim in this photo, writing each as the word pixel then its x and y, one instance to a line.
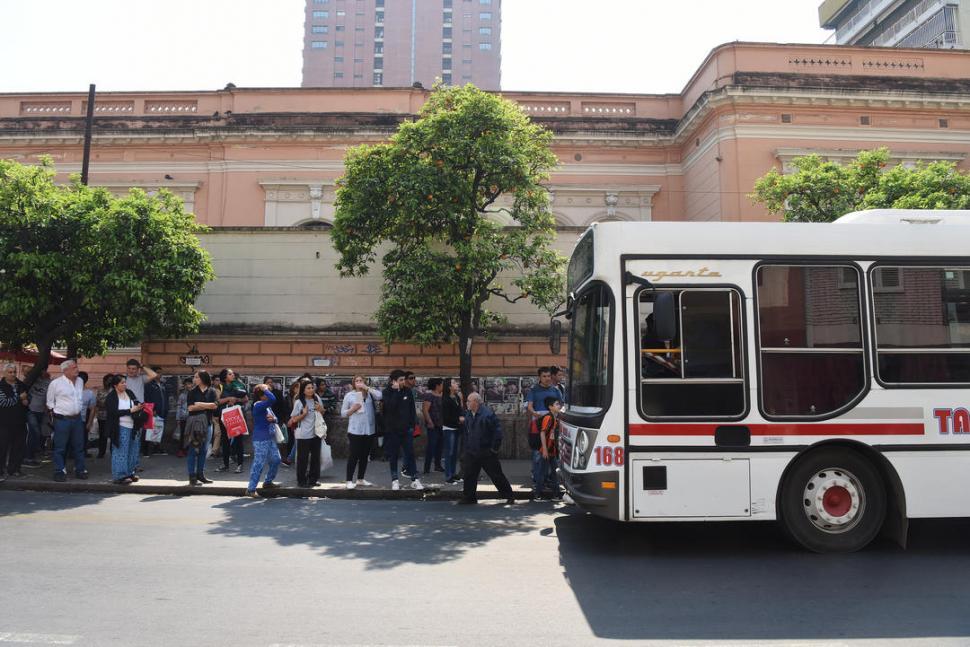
pixel 837 501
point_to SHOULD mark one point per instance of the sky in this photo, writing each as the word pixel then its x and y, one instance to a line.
pixel 631 46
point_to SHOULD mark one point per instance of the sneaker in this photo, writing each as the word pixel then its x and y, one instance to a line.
pixel 416 484
pixel 60 477
pixel 238 469
pixel 31 463
pixel 439 468
pixel 82 475
pixel 3 477
pixel 271 485
pixel 395 485
pixel 252 494
pixel 222 468
pixel 351 485
pixel 16 475
pixel 363 483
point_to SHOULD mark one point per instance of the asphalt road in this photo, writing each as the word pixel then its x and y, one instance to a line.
pixel 83 569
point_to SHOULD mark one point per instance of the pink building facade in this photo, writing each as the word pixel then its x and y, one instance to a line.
pixel 259 167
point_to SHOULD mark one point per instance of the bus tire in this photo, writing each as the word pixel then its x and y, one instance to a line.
pixel 833 501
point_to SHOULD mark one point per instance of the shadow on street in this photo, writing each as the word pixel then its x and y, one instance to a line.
pixel 746 581
pixel 25 503
pixel 383 534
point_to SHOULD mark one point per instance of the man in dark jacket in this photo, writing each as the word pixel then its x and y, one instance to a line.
pixel 155 394
pixel 400 416
pixel 483 438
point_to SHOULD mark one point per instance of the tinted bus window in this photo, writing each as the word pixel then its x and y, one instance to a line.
pixel 922 317
pixel 810 333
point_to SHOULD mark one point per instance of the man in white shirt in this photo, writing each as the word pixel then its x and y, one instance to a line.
pixel 65 399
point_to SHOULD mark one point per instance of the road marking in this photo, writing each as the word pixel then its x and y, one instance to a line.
pixel 37 639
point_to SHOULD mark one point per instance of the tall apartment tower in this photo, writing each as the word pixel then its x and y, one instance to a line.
pixel 397 43
pixel 938 24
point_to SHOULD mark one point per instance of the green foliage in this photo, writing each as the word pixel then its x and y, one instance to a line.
pixel 80 267
pixel 821 191
pixel 428 201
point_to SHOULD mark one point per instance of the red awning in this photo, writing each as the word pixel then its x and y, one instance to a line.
pixel 30 357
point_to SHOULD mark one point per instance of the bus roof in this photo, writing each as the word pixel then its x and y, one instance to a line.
pixel 921 234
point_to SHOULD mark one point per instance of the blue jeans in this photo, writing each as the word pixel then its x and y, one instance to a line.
pixel 124 457
pixel 432 452
pixel 69 429
pixel 35 426
pixel 538 471
pixel 543 473
pixel 263 451
pixel 396 442
pixel 450 452
pixel 196 455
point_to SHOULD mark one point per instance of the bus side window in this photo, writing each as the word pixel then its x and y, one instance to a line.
pixel 812 357
pixel 700 372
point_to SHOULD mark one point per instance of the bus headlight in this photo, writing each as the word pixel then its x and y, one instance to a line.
pixel 584 447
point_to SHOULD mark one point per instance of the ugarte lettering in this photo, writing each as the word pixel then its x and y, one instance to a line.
pixel 659 275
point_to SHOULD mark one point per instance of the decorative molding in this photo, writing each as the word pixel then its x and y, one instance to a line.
pixel 291 202
pixel 45 107
pixel 841 155
pixel 184 190
pixel 822 62
pixel 582 205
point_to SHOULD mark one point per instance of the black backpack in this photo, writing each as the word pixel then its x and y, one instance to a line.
pixel 535 426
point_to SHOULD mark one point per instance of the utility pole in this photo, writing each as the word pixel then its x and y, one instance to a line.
pixel 88 126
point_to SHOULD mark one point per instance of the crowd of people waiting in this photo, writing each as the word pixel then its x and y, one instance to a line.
pixel 463 434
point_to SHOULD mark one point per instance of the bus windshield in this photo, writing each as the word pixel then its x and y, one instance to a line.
pixel 589 351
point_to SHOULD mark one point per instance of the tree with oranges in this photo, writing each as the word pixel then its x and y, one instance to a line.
pixel 454 206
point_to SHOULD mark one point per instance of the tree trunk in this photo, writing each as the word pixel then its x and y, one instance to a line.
pixel 43 361
pixel 465 335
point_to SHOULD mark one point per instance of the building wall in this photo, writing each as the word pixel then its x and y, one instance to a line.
pixel 259 165
pixel 409 55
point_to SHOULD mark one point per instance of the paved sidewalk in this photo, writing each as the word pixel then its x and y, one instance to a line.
pixel 167 474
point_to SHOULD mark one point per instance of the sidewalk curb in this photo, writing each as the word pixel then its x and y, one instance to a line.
pixel 361 494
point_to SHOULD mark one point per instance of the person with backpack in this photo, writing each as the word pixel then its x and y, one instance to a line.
pixel 536 407
pixel 548 449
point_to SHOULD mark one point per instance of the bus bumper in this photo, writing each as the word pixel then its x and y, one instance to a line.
pixel 588 491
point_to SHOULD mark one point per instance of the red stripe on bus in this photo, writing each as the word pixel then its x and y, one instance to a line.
pixel 783 429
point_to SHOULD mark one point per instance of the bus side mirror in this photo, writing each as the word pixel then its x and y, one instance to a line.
pixel 665 316
pixel 555 334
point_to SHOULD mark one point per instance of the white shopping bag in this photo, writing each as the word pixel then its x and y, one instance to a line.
pixel 326 457
pixel 94 430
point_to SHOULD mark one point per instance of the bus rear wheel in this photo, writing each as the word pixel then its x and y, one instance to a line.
pixel 833 501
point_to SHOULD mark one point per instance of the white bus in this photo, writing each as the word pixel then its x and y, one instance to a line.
pixel 814 374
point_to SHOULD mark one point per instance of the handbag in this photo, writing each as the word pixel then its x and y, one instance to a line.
pixel 95 430
pixel 319 425
pixel 234 421
pixel 149 409
pixel 278 434
pixel 139 417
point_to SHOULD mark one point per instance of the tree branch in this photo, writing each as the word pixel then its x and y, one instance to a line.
pixel 499 293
